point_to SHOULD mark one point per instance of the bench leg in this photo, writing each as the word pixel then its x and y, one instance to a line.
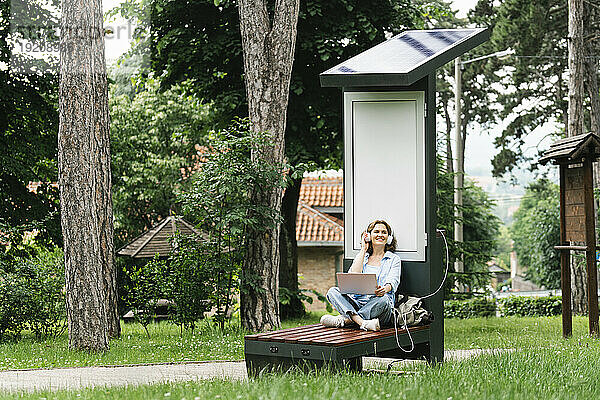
pixel 354 364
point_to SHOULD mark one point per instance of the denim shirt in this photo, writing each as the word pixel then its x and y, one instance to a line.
pixel 389 271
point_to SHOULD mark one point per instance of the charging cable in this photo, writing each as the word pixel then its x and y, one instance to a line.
pixel 397 313
pixel 447 267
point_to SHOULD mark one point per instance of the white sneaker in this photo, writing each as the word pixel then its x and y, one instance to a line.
pixel 332 321
pixel 370 325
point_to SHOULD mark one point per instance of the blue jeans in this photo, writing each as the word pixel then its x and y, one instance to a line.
pixel 367 307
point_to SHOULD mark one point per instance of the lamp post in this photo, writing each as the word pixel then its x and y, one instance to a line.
pixel 459 177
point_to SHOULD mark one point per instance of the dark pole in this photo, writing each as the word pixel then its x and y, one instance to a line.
pixel 590 238
pixel 565 271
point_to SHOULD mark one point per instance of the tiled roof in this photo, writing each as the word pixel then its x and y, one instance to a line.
pixel 314 226
pixel 322 191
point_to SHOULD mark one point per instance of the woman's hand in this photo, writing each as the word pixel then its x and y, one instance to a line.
pixel 363 243
pixel 381 290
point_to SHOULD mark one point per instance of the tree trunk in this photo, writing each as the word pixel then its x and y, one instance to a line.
pixel 288 249
pixel 84 177
pixel 268 47
pixel 576 75
pixel 578 283
pixel 575 127
pixel 591 84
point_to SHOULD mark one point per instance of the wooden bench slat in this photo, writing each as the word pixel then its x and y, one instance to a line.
pixel 318 334
pixel 321 335
pixel 372 335
pixel 326 338
pixel 287 335
pixel 265 334
pixel 303 335
pixel 347 336
pixel 357 336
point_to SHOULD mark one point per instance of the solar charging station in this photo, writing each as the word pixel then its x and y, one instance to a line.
pixel 390 155
pixel 389 172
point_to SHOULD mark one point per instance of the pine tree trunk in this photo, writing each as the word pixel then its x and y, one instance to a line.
pixel 288 248
pixel 268 46
pixel 575 127
pixel 578 283
pixel 591 83
pixel 84 178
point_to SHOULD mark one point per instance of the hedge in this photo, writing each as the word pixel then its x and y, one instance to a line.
pixel 478 307
pixel 510 306
pixel 531 306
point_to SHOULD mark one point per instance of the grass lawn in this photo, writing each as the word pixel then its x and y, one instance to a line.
pixel 542 366
pixel 566 371
pixel 209 343
pixel 165 345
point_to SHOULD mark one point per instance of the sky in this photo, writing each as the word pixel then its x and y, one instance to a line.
pixel 463 6
pixel 118 43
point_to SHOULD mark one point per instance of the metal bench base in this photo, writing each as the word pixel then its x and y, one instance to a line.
pixel 316 346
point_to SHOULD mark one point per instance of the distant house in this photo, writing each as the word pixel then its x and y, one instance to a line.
pixel 320 232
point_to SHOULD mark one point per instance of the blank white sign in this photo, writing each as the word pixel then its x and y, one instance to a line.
pixel 384 168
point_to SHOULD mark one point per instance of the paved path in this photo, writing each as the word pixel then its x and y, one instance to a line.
pixel 76 378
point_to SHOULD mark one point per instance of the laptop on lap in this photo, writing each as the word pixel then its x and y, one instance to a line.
pixel 353 283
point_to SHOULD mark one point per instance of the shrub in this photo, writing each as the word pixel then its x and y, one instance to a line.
pixel 32 295
pixel 189 285
pixel 221 203
pixel 477 307
pixel 195 279
pixel 531 306
pixel 145 283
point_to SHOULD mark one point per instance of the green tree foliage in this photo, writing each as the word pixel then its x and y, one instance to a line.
pixel 194 279
pixel 534 88
pixel 28 137
pixel 220 202
pixel 477 96
pixel 536 231
pixel 531 306
pixel 504 247
pixel 153 138
pixel 187 278
pixel 481 228
pixel 530 89
pixel 219 199
pixel 200 40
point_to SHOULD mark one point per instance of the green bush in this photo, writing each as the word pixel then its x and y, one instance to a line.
pixel 32 295
pixel 477 307
pixel 195 279
pixel 144 288
pixel 531 306
pixel 188 282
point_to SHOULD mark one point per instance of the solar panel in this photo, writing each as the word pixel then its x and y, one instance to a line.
pixel 403 54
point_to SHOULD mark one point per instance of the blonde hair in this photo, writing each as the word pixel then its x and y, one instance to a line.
pixel 388 247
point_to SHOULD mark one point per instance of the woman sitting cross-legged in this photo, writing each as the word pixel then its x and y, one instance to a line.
pixel 377 257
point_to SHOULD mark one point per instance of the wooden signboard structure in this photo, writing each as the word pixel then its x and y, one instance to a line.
pixel 575 156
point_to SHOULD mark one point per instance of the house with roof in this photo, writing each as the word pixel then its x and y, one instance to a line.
pixel 320 232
